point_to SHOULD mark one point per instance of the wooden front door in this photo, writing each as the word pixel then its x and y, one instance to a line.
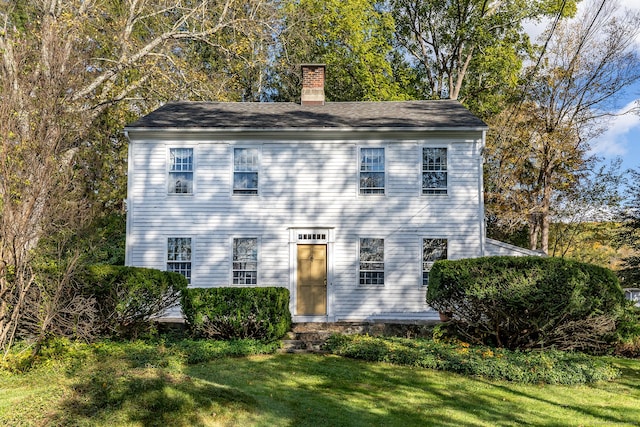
pixel 312 280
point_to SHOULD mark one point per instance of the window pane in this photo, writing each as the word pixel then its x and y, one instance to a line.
pixel 245 182
pixel 179 249
pixel 245 159
pixel 434 159
pixel 245 170
pixel 372 159
pixel 180 182
pixel 179 256
pixel 434 171
pixel 181 159
pixel 245 261
pixel 371 262
pixel 432 251
pixel 434 182
pixel 372 171
pixel 371 183
pixel 180 171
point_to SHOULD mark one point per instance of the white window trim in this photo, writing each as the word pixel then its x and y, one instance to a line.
pixel 260 170
pixel 421 243
pixel 193 252
pixel 168 170
pixel 359 148
pixel 258 261
pixel 435 144
pixel 384 264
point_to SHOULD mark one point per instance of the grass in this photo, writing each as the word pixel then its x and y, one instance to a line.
pixel 142 384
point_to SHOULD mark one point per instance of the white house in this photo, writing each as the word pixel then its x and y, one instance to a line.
pixel 345 204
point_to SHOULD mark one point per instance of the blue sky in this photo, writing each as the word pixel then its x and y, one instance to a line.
pixel 622 137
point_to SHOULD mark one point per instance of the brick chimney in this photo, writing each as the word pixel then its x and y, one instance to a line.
pixel 312 84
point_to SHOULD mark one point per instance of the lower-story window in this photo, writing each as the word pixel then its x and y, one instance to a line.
pixel 371 262
pixel 245 261
pixel 432 251
pixel 179 256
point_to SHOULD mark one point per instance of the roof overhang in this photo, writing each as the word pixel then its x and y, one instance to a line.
pixel 296 133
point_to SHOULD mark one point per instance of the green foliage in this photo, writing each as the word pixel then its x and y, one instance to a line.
pixel 529 367
pixel 353 38
pixel 127 297
pixel 468 50
pixel 232 313
pixel 528 302
pixel 629 233
pixel 628 333
pixel 200 351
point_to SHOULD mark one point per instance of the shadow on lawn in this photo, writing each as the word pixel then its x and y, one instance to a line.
pixel 331 391
pixel 114 395
pixel 307 390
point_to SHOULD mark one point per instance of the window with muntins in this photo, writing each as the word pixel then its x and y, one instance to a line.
pixel 245 261
pixel 434 171
pixel 179 256
pixel 372 171
pixel 371 262
pixel 180 171
pixel 246 162
pixel 432 251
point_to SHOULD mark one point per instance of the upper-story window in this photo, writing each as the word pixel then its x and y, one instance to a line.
pixel 434 171
pixel 180 171
pixel 371 262
pixel 432 251
pixel 372 171
pixel 179 256
pixel 245 261
pixel 246 164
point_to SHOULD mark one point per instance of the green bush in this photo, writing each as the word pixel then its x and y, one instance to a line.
pixel 529 367
pixel 128 297
pixel 528 302
pixel 237 313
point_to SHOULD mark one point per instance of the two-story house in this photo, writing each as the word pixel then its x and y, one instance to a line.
pixel 346 204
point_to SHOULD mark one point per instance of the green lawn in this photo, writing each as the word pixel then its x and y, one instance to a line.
pixel 133 388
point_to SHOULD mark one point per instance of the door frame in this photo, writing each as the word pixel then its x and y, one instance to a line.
pixel 310 236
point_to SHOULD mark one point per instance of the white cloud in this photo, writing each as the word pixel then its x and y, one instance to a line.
pixel 620 134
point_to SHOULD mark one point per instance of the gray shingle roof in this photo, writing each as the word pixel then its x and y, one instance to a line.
pixel 332 115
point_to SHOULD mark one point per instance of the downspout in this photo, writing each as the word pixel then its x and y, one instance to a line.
pixel 128 203
pixel 481 194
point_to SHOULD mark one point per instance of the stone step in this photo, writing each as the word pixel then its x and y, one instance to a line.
pixel 300 346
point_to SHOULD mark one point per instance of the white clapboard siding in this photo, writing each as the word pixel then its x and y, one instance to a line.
pixel 311 184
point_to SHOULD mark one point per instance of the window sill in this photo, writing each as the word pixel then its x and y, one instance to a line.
pixel 369 286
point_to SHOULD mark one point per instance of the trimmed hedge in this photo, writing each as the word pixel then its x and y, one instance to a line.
pixel 237 313
pixel 127 297
pixel 528 302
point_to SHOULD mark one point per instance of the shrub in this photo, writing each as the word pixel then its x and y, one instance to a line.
pixel 628 332
pixel 128 297
pixel 528 302
pixel 532 367
pixel 236 313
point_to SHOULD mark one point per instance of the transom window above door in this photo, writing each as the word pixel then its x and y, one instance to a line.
pixel 372 171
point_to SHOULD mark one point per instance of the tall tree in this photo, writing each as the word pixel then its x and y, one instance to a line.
pixel 353 38
pixel 64 65
pixel 629 233
pixel 539 149
pixel 466 49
